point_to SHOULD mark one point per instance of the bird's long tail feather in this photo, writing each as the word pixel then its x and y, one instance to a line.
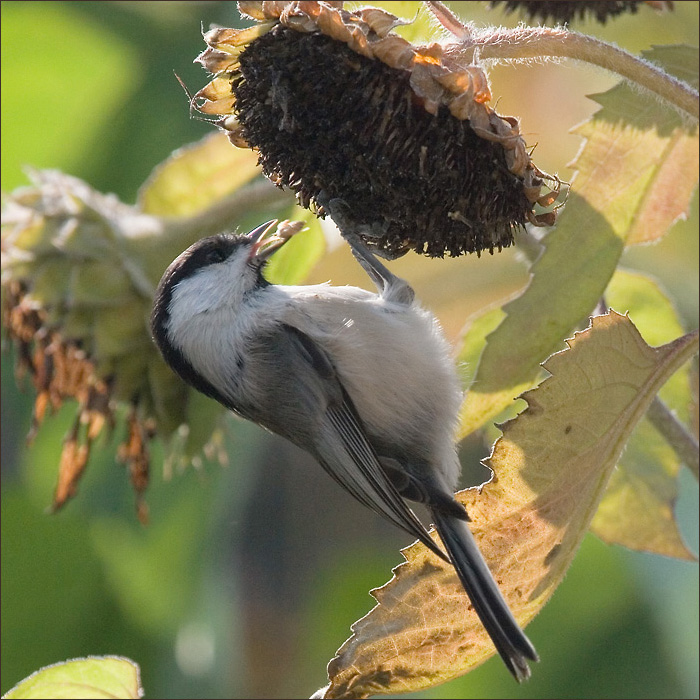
pixel 493 611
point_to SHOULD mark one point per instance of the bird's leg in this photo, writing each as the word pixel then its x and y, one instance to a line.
pixel 390 287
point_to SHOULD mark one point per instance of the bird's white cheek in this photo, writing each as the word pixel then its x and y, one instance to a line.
pixel 213 335
pixel 215 288
pixel 208 341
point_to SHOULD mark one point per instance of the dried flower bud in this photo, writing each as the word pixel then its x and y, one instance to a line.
pixel 564 12
pixel 338 106
pixel 76 302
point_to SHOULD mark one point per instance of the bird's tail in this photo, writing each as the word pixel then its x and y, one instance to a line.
pixel 493 611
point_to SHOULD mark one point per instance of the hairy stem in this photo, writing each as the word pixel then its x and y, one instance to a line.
pixel 449 20
pixel 676 434
pixel 545 42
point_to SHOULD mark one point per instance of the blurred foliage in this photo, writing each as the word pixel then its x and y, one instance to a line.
pixel 247 579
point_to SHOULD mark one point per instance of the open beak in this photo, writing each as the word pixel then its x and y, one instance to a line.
pixel 265 243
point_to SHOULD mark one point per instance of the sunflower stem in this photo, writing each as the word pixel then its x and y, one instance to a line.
pixel 523 43
pixel 155 252
pixel 261 194
pixel 449 20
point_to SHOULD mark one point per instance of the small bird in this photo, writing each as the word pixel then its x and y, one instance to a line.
pixel 364 382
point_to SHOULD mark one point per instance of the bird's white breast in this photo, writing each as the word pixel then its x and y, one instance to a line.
pixel 392 359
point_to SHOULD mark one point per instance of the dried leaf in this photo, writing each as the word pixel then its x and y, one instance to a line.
pixel 93 677
pixel 134 453
pixel 552 465
pixel 74 457
pixel 633 151
pixel 415 24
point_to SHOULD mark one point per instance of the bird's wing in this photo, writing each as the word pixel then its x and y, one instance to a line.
pixel 307 403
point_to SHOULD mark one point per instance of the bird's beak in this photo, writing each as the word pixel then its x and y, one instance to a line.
pixel 264 245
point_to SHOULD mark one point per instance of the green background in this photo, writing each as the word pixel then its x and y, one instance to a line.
pixel 248 577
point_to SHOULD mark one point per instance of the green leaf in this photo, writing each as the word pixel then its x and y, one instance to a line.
pixel 93 677
pixel 580 256
pixel 476 331
pixel 637 510
pixel 680 60
pixel 196 176
pixel 293 262
pixel 552 465
pixel 635 146
pixel 203 418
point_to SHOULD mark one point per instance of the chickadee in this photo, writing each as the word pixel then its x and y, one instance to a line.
pixel 362 381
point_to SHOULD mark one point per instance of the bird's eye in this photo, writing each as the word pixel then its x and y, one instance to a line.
pixel 215 255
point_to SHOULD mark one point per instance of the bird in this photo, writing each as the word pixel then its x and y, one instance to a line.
pixel 362 381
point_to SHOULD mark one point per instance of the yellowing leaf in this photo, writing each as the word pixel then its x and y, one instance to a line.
pixel 635 175
pixel 93 677
pixel 658 154
pixel 196 176
pixel 637 509
pixel 551 465
pixel 668 197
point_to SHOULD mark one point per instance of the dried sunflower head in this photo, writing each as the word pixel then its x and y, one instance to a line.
pixel 78 276
pixel 564 11
pixel 339 106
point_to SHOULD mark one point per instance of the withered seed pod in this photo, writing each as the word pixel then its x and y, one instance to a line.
pixel 338 106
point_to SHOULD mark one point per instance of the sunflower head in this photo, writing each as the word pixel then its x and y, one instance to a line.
pixel 75 306
pixel 339 106
pixel 564 12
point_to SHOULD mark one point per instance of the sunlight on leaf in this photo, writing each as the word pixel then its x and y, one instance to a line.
pixel 419 28
pixel 292 263
pixel 633 179
pixel 552 465
pixel 93 677
pixel 195 176
pixel 637 510
pixel 476 331
pixel 660 152
pixel 668 199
